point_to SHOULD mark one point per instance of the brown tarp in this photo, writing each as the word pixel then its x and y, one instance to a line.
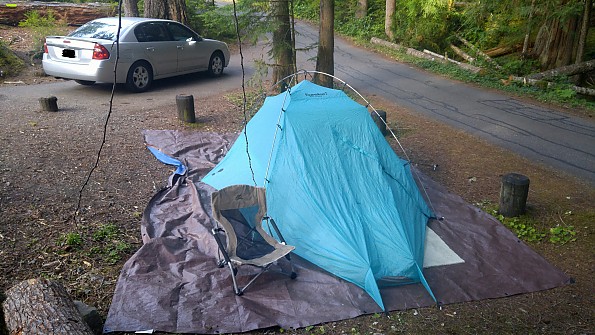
pixel 172 283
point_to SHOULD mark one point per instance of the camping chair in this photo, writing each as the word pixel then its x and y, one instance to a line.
pixel 240 211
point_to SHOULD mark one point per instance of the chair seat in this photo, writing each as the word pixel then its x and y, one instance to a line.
pixel 280 251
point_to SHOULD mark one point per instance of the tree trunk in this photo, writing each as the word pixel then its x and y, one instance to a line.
pixel 177 11
pixel 582 39
pixel 528 33
pixel 41 306
pixel 389 18
pixel 283 52
pixel 362 9
pixel 325 61
pixel 130 8
pixel 556 42
pixel 156 9
pixel 164 9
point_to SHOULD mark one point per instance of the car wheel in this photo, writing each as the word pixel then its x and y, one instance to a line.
pixel 216 64
pixel 85 82
pixel 140 77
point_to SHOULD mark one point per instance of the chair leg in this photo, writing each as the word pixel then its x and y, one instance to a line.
pixel 236 288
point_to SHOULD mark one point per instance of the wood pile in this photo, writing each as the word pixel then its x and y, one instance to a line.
pixel 13 12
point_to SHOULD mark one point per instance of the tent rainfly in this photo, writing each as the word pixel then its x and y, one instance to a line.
pixel 335 187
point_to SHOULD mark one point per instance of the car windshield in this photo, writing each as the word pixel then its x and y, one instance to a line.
pixel 96 29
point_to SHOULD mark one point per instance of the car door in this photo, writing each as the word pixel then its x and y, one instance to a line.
pixel 191 54
pixel 158 47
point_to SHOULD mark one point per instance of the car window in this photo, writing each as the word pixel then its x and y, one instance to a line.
pixel 151 32
pixel 96 29
pixel 180 32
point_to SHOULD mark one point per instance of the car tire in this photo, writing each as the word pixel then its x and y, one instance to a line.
pixel 140 77
pixel 84 82
pixel 216 64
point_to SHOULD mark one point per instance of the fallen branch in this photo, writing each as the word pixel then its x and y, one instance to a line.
pixel 466 66
pixel 568 70
pixel 479 52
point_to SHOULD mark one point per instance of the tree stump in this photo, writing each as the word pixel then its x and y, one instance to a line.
pixel 49 104
pixel 41 306
pixel 380 120
pixel 185 104
pixel 513 194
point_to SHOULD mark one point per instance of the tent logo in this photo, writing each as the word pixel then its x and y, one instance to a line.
pixel 315 95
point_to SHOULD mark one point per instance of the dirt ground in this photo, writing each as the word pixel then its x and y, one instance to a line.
pixel 45 159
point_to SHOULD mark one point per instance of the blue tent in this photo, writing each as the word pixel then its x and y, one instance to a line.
pixel 335 187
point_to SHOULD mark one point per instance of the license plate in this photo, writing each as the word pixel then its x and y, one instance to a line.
pixel 68 53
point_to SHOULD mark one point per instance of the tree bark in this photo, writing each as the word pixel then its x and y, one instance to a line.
pixel 164 9
pixel 156 9
pixel 41 306
pixel 362 9
pixel 130 8
pixel 177 11
pixel 283 50
pixel 325 61
pixel 389 18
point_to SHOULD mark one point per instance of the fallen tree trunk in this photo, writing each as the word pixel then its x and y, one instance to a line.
pixel 532 82
pixel 462 53
pixel 546 84
pixel 568 70
pixel 479 52
pixel 584 90
pixel 469 67
pixel 41 306
pixel 499 51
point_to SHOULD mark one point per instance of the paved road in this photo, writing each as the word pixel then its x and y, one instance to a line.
pixel 541 134
pixel 538 133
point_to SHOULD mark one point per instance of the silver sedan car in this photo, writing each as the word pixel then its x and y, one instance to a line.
pixel 149 49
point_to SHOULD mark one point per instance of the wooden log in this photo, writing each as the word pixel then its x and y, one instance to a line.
pixel 465 66
pixel 533 82
pixel 185 104
pixel 479 52
pixel 568 70
pixel 41 306
pixel 499 51
pixel 462 53
pixel 379 117
pixel 513 194
pixel 49 104
pixel 584 90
